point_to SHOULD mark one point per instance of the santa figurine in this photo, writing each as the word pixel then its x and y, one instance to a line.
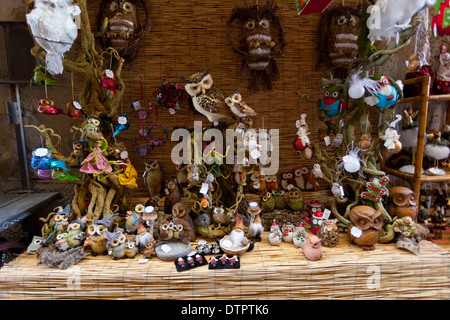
pixel 237 235
pixel 316 221
pixel 442 81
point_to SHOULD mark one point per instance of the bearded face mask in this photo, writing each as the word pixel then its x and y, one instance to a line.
pixel 120 27
pixel 260 44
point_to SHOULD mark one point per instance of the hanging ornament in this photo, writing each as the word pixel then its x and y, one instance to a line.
pixel 123 123
pixel 54 29
pixel 351 162
pixel 41 158
pixel 391 137
pixel 358 85
pixel 47 106
pixel 376 189
pixel 109 81
pixel 387 95
pixel 74 109
pixel 331 104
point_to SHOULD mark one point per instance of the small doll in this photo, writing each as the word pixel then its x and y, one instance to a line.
pixel 95 162
pixel 442 82
pixel 92 125
pixel 78 154
pixel 302 141
pixel 391 137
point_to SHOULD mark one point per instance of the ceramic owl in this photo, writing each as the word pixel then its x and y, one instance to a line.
pixel 257 184
pixel 312 249
pixel 130 249
pixel 61 242
pixel 329 233
pixel 295 199
pixel 181 216
pixel 261 42
pixel 97 238
pixel 116 245
pixel 173 195
pixel 75 233
pixel 402 202
pixel 267 202
pixel 166 231
pixel 134 218
pixel 154 178
pixel 281 199
pixel 287 179
pixel 365 225
pixel 271 182
pixel 338 34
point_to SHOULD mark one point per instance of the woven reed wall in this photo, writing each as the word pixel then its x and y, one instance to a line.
pixel 190 36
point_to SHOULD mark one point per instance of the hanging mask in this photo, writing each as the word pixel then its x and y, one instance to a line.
pixel 261 42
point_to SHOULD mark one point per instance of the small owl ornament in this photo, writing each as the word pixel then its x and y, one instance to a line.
pixel 267 202
pixel 239 108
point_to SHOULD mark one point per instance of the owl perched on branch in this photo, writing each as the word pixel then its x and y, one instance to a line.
pixel 52 25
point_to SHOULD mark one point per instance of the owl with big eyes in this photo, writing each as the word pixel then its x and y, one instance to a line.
pixel 402 202
pixel 61 242
pixel 365 225
pixel 97 238
pixel 287 179
pixel 75 234
pixel 166 231
pixel 116 245
pixel 295 199
pixel 239 108
pixel 280 197
pixel 130 249
pixel 207 99
pixel 267 202
pixel 271 182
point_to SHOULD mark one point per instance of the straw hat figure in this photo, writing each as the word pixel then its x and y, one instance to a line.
pixel 255 227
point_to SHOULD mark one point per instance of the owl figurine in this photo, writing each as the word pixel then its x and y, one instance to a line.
pixel 153 178
pixel 267 202
pixel 312 249
pixel 207 99
pixel 386 95
pixel 328 233
pixel 219 217
pixel 295 199
pixel 134 218
pixel 287 232
pixel 98 237
pixel 61 242
pixel 75 234
pixel 116 245
pixel 130 249
pixel 271 182
pixel 281 199
pixel 257 183
pixel 317 171
pixel 173 195
pixel 166 231
pixel 331 104
pixel 239 108
pixel 365 225
pixel 286 180
pixel 78 153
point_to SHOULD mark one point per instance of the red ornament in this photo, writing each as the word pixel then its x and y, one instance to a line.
pixel 47 106
pixel 298 145
pixel 109 81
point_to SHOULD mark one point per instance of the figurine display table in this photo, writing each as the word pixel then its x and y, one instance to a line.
pixel 344 272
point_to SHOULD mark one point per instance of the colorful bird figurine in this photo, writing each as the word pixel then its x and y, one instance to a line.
pixel 122 124
pixel 386 95
pixel 331 104
pixel 239 108
pixel 47 106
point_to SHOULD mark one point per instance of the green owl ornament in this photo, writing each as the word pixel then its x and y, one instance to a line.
pixel 267 202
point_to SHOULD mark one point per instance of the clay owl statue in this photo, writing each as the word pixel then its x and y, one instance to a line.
pixel 181 216
pixel 116 245
pixel 286 180
pixel 173 195
pixel 257 183
pixel 267 202
pixel 312 249
pixel 295 199
pixel 271 182
pixel 329 233
pixel 98 238
pixel 75 234
pixel 166 231
pixel 134 218
pixel 402 202
pixel 130 249
pixel 239 108
pixel 61 242
pixel 154 178
pixel 281 199
pixel 207 99
pixel 364 227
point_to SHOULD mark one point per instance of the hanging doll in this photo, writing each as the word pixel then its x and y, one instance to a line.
pixel 442 82
pixel 391 137
pixel 302 141
pixel 95 162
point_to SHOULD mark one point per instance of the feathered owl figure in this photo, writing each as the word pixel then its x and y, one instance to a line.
pixel 281 199
pixel 267 202
pixel 239 107
pixel 207 99
pixel 52 25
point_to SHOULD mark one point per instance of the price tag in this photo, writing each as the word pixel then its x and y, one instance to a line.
pixel 204 188
pixel 327 140
pixel 326 214
pixel 137 106
pixel 356 232
pixel 171 110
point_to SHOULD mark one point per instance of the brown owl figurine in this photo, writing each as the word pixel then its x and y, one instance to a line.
pixel 181 216
pixel 365 225
pixel 402 202
pixel 329 233
pixel 173 195
pixel 153 178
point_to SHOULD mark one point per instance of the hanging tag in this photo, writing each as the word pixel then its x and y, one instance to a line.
pixel 145 172
pixel 172 111
pixel 137 105
pixel 204 188
pixel 341 123
pixel 210 178
pixel 327 140
pixel 326 214
pixel 341 190
pixel 356 232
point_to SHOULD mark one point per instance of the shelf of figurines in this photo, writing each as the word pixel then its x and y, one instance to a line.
pixel 294 255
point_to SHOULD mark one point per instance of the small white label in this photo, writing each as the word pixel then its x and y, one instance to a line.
pixel 327 140
pixel 165 248
pixel 227 243
pixel 166 191
pixel 326 214
pixel 142 261
pixel 204 189
pixel 171 110
pixel 137 106
pixel 356 232
pixel 210 177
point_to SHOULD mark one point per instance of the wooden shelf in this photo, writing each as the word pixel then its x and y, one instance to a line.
pixel 418 177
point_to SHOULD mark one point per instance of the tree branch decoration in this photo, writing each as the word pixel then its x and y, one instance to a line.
pixel 91 64
pixel 367 152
